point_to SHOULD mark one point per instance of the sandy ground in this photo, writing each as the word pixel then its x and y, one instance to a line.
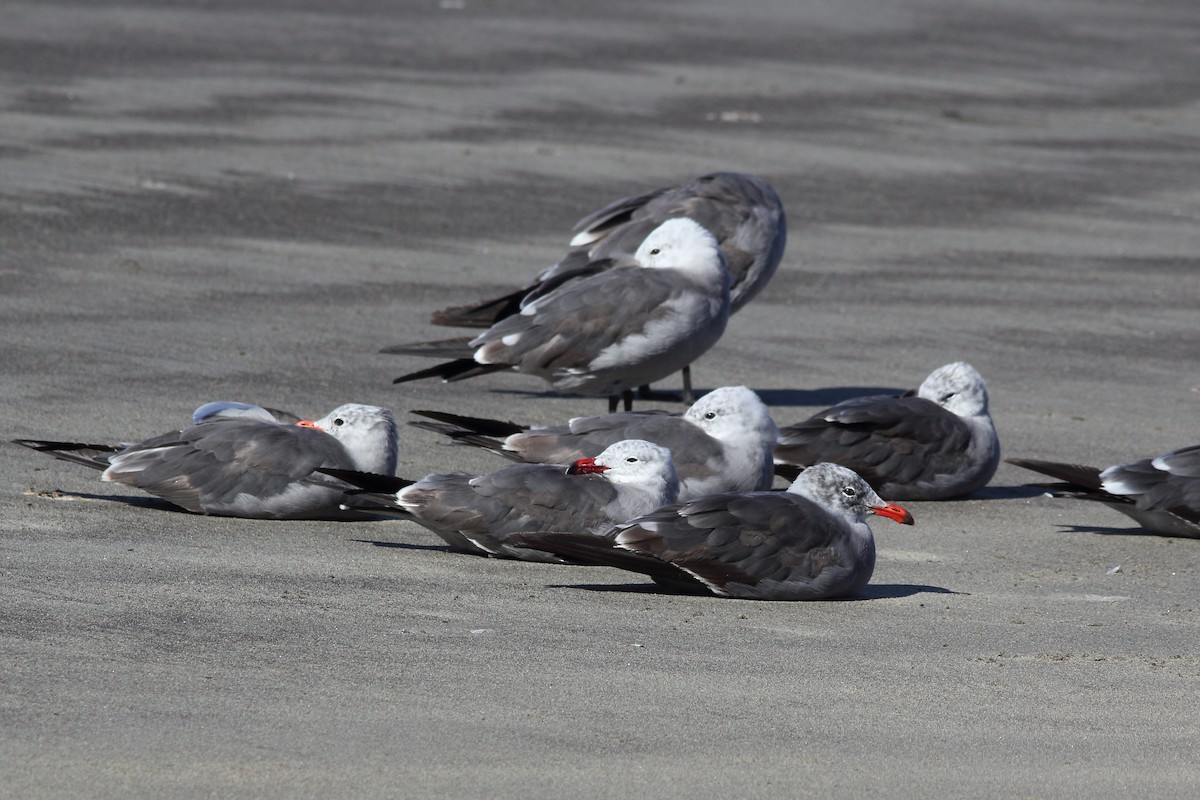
pixel 246 200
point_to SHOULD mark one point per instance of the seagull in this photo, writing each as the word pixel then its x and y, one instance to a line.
pixel 939 444
pixel 1162 493
pixel 242 465
pixel 742 211
pixel 808 543
pixel 722 443
pixel 477 513
pixel 609 332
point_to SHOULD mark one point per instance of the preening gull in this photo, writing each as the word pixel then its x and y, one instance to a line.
pixel 609 332
pixel 742 211
pixel 242 465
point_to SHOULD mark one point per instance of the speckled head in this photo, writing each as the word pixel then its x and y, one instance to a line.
pixel 844 491
pixel 957 387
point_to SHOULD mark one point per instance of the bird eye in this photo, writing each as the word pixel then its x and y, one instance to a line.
pixel 655 251
pixel 711 415
pixel 631 460
pixel 849 491
pixel 339 422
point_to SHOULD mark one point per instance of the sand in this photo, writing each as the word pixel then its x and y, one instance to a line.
pixel 247 200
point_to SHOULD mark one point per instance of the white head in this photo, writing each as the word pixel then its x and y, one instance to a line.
pixel 844 492
pixel 733 413
pixel 681 244
pixel 634 462
pixel 367 432
pixel 958 388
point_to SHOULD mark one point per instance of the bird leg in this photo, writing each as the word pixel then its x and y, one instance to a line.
pixel 626 396
pixel 688 395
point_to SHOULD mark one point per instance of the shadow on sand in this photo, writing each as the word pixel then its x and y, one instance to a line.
pixel 874 591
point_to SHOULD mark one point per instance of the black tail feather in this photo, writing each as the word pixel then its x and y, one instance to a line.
pixel 479 425
pixel 457 370
pixel 368 481
pixel 1078 475
pixel 582 548
pixel 483 314
pixel 457 347
pixel 789 472
pixel 89 455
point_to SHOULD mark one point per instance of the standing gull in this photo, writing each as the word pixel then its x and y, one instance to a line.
pixel 246 466
pixel 936 445
pixel 722 443
pixel 742 211
pixel 1162 493
pixel 477 513
pixel 808 543
pixel 610 332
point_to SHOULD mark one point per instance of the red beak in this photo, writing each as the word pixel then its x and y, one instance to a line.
pixel 308 423
pixel 892 511
pixel 585 466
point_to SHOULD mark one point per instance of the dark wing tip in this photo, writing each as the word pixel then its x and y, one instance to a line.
pixel 369 481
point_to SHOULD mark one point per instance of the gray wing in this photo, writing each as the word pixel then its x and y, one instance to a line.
pixel 235 467
pixel 898 444
pixel 757 545
pixel 570 327
pixel 695 453
pixel 1170 483
pixel 743 212
pixel 1158 499
pixel 485 509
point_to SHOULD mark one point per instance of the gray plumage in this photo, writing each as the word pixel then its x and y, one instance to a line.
pixel 1162 494
pixel 808 543
pixel 723 443
pixel 613 331
pixel 937 445
pixel 245 466
pixel 477 513
pixel 743 213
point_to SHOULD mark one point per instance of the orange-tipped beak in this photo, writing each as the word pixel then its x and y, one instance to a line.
pixel 895 512
pixel 585 466
pixel 308 423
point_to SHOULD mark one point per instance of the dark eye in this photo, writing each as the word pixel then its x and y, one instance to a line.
pixel 946 397
pixel 339 422
pixel 655 251
pixel 631 460
pixel 711 415
pixel 849 491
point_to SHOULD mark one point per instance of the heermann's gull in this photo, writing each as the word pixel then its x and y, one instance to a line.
pixel 610 332
pixel 245 466
pixel 476 513
pixel 742 211
pixel 936 445
pixel 807 543
pixel 723 443
pixel 1162 493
